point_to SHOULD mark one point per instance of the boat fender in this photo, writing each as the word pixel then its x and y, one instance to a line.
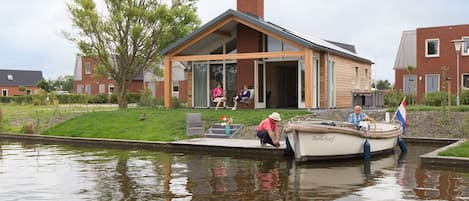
pixel 366 151
pixel 289 149
pixel 401 145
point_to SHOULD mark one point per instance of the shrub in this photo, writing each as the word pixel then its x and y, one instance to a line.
pixel 464 97
pixel 146 98
pixel 438 99
pixel 393 98
pixel 132 97
pixel 175 103
pixel 100 98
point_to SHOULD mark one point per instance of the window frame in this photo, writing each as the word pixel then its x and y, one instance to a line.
pixel 465 46
pixel 5 91
pixel 88 68
pixel 437 48
pixel 10 77
pixel 462 80
pixel 367 81
pixel 357 77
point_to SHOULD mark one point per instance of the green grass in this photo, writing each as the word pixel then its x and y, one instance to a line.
pixel 458 151
pixel 160 124
pixel 41 116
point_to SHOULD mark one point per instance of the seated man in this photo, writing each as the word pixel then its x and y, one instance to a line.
pixel 218 96
pixel 357 116
pixel 243 96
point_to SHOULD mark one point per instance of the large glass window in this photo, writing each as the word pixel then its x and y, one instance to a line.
pixel 200 84
pixel 432 47
pixel 79 88
pixel 231 89
pixel 101 88
pixel 274 45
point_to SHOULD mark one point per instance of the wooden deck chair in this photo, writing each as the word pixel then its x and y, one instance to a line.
pixel 249 100
pixel 194 125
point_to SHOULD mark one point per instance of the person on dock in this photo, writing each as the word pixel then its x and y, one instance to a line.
pixel 267 131
pixel 357 116
pixel 244 95
pixel 218 96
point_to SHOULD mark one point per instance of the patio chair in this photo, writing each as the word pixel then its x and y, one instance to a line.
pixel 194 125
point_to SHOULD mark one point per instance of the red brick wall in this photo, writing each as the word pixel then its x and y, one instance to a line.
pixel 183 91
pixel 255 7
pixel 433 65
pixel 249 40
pixel 94 82
pixel 14 91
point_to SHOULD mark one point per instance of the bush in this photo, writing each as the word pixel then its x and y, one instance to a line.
pixel 100 98
pixel 132 97
pixel 175 103
pixel 146 99
pixel 16 99
pixel 393 98
pixel 464 97
pixel 438 99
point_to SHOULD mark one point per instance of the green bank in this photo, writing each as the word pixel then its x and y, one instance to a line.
pixel 158 124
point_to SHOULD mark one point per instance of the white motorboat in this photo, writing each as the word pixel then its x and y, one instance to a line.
pixel 322 139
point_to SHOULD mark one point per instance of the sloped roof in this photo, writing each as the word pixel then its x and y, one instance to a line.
pixel 407 52
pixel 19 77
pixel 306 41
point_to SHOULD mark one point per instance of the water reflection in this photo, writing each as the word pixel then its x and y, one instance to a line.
pixel 31 171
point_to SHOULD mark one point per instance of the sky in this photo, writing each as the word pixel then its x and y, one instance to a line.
pixel 30 34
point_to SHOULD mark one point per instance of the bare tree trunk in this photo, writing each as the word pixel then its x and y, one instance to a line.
pixel 121 91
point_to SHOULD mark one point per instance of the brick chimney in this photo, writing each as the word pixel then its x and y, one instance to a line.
pixel 254 7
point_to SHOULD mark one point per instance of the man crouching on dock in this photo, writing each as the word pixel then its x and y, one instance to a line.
pixel 267 131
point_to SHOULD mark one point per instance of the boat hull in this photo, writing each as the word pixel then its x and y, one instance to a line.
pixel 325 142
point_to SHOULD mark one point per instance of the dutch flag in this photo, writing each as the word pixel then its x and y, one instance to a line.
pixel 401 114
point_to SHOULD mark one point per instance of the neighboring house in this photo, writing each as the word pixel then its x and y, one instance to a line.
pixel 428 50
pixel 11 80
pixel 85 80
pixel 155 83
pixel 286 69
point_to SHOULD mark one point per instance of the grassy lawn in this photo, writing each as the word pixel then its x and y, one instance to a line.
pixel 42 117
pixel 160 124
pixel 459 151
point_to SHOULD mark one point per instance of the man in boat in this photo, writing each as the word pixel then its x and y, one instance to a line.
pixel 357 116
pixel 267 131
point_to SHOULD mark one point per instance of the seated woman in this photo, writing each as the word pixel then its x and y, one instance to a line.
pixel 242 96
pixel 218 96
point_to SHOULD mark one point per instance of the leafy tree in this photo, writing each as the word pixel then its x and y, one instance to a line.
pixel 44 85
pixel 63 83
pixel 381 85
pixel 126 37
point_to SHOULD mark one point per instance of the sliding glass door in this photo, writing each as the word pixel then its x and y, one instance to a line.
pixel 205 78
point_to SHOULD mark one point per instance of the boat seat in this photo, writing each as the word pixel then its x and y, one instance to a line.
pixel 194 125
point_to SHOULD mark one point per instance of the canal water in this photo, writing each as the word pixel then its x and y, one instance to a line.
pixel 31 171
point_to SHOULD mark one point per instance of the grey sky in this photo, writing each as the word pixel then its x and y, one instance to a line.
pixel 30 35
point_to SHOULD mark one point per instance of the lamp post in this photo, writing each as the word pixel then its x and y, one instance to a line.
pixel 457 46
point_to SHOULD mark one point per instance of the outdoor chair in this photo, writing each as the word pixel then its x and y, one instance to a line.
pixel 247 101
pixel 194 125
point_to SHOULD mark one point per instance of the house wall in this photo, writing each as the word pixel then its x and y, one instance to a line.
pixel 14 91
pixel 345 78
pixel 433 65
pixel 248 40
pixel 134 87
